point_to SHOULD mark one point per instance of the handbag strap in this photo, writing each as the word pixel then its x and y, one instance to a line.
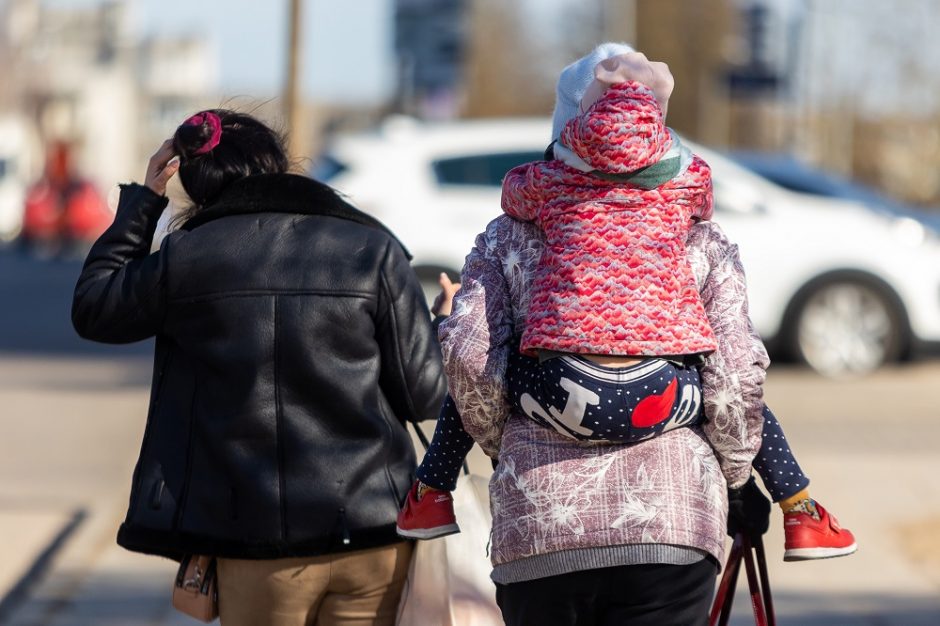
pixel 181 570
pixel 761 599
pixel 421 436
pixel 209 577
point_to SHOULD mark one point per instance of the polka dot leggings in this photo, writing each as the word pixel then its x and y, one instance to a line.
pixel 449 447
pixel 776 465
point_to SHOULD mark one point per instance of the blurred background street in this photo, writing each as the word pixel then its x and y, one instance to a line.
pixel 820 118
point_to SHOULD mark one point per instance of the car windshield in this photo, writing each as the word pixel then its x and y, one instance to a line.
pixel 791 174
pixel 326 167
pixel 485 170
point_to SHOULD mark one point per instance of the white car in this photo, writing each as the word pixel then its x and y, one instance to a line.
pixel 12 189
pixel 841 287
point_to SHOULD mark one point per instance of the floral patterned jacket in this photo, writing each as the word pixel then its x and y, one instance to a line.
pixel 551 493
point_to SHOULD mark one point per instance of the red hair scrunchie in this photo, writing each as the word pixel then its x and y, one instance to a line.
pixel 207 117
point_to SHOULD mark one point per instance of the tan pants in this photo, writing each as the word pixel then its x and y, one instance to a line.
pixel 349 589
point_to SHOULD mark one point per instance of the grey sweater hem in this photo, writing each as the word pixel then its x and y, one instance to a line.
pixel 567 561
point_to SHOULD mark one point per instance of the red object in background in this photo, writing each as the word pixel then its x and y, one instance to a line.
pixel 61 207
pixel 59 164
pixel 86 215
pixel 42 213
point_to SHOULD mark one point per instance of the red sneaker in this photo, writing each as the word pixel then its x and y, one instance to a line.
pixel 808 538
pixel 431 516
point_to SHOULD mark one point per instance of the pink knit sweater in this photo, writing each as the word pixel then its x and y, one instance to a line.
pixel 614 278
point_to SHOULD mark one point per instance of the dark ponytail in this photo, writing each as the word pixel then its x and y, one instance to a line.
pixel 245 147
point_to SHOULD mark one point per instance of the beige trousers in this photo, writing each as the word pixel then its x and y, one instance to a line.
pixel 349 589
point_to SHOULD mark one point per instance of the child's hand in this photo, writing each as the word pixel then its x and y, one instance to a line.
pixel 444 301
pixel 631 66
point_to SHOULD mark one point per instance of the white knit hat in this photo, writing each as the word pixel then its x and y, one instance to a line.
pixel 574 81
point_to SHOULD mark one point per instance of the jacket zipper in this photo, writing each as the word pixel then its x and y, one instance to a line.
pixel 399 498
pixel 344 527
pixel 184 490
pixel 156 495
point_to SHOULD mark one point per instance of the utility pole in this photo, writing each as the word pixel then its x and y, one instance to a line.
pixel 293 111
pixel 618 21
pixel 690 37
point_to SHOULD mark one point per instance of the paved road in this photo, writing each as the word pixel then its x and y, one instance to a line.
pixel 73 413
pixel 870 448
pixel 69 421
pixel 35 304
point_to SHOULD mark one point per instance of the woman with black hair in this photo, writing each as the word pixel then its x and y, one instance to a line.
pixel 292 343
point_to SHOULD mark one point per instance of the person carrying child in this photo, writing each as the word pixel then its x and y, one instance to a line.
pixel 615 319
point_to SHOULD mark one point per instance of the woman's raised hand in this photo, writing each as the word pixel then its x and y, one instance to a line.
pixel 163 165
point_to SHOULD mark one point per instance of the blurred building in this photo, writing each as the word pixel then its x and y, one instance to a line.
pixel 430 41
pixel 850 85
pixel 82 76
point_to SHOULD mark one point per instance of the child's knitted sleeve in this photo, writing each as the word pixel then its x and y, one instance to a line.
pixel 700 193
pixel 522 191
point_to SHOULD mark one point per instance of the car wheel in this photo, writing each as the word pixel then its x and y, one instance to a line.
pixel 847 327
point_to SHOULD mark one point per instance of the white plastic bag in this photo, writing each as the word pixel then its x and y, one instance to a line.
pixel 426 597
pixel 449 578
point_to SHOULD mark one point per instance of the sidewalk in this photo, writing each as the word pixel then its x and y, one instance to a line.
pixel 877 476
pixel 71 429
pixel 27 540
pixel 870 448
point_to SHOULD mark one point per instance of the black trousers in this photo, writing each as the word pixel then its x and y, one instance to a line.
pixel 635 595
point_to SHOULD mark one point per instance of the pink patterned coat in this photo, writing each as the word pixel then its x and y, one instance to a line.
pixel 551 493
pixel 614 278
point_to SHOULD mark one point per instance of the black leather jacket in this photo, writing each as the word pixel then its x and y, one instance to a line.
pixel 292 344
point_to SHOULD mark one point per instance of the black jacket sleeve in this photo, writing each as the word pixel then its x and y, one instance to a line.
pixel 120 296
pixel 412 375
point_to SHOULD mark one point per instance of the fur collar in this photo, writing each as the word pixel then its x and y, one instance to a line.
pixel 284 193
